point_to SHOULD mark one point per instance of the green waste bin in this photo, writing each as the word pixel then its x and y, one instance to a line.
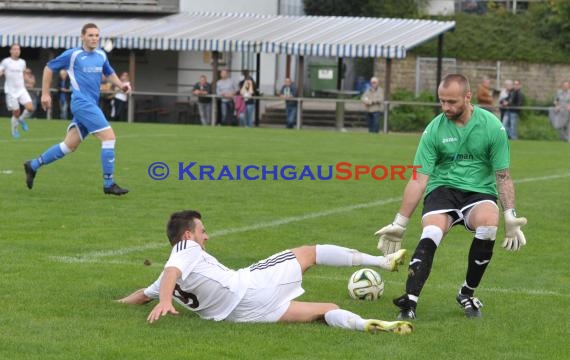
pixel 322 77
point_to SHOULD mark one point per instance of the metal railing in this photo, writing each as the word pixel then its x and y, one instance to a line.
pixel 336 104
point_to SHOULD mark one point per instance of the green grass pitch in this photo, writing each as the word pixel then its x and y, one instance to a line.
pixel 67 251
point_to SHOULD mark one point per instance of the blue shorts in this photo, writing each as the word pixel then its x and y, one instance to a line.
pixel 88 120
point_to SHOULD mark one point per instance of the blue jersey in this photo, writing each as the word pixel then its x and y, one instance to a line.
pixel 85 69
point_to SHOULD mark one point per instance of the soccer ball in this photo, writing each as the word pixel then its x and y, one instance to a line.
pixel 365 284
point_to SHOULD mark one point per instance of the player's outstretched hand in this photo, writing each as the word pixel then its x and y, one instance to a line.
pixel 159 310
pixel 514 237
pixel 126 87
pixel 391 235
pixel 46 101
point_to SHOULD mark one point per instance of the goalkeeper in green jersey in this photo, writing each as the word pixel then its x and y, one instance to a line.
pixel 464 157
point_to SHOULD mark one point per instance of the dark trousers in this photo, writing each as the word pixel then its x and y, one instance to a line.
pixel 373 121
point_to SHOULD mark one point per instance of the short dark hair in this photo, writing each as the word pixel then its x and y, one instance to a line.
pixel 88 26
pixel 180 222
pixel 457 78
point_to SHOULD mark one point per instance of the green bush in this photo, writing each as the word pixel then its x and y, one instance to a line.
pixel 411 118
pixel 496 36
pixel 536 127
pixel 533 125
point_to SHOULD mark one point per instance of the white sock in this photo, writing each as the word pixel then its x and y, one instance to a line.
pixel 344 319
pixel 64 148
pixel 14 122
pixel 334 255
pixel 108 144
pixel 26 114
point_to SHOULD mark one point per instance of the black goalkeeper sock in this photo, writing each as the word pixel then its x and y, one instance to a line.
pixel 480 255
pixel 420 266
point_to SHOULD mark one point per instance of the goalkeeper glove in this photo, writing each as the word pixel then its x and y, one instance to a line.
pixel 514 237
pixel 391 235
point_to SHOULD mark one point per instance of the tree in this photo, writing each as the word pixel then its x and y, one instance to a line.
pixel 335 7
pixel 552 21
pixel 368 8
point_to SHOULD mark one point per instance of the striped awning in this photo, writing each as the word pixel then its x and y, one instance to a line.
pixel 293 35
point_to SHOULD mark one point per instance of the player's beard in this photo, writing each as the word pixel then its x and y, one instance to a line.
pixel 457 115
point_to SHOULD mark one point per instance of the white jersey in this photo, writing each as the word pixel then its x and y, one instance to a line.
pixel 206 286
pixel 14 76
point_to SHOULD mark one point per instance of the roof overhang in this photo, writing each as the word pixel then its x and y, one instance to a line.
pixel 353 37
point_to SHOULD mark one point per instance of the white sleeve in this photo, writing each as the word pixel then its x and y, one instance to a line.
pixel 185 258
pixel 153 290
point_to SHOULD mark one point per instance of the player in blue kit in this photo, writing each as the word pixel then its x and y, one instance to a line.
pixel 86 66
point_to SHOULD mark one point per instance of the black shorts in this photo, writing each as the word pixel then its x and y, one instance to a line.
pixel 454 202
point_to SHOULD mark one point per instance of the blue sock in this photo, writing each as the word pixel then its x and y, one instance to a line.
pixel 50 155
pixel 108 162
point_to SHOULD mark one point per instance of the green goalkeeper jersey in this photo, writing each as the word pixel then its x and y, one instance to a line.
pixel 464 158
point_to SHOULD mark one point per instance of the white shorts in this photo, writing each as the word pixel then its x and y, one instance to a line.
pixel 275 282
pixel 13 102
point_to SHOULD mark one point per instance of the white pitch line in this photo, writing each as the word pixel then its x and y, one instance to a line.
pixel 520 290
pixel 548 177
pixel 308 216
pixel 96 255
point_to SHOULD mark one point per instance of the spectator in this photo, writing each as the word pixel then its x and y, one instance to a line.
pixel 201 89
pixel 560 116
pixel 227 89
pixel 361 85
pixel 503 96
pixel 120 100
pixel 485 94
pixel 373 100
pixel 30 84
pixel 239 109
pixel 288 91
pixel 247 92
pixel 64 94
pixel 251 110
pixel 513 102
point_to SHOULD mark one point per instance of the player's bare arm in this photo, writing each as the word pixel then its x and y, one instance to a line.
pixel 413 194
pixel 506 189
pixel 514 237
pixel 125 87
pixel 391 236
pixel 46 82
pixel 136 298
pixel 167 284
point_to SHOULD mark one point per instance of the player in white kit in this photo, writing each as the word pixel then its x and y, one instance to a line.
pixel 13 70
pixel 262 292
